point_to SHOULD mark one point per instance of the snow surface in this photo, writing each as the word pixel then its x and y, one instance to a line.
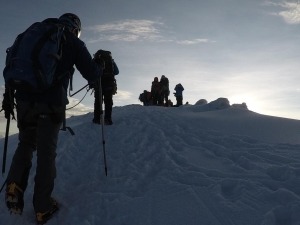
pixel 191 165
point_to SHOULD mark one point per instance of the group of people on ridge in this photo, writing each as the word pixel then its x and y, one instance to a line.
pixel 160 92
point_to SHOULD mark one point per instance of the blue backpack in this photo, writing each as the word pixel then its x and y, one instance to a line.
pixel 32 60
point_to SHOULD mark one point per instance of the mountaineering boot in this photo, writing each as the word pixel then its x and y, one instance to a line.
pixel 14 198
pixel 108 121
pixel 43 217
pixel 97 121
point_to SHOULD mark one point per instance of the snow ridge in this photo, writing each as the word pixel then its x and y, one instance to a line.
pixel 175 166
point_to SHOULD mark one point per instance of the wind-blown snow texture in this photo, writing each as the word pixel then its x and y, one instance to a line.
pixel 192 165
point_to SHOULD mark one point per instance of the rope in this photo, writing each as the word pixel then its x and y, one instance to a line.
pixel 79 101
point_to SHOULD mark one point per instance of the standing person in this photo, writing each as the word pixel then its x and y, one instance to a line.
pixel 164 82
pixel 40 116
pixel 108 86
pixel 178 94
pixel 156 92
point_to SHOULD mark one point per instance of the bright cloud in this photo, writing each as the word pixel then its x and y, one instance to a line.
pixel 136 30
pixel 123 97
pixel 194 41
pixel 127 30
pixel 75 108
pixel 290 12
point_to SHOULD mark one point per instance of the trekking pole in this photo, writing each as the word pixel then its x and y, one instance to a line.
pixel 3 185
pixel 102 126
pixel 11 103
pixel 71 95
pixel 5 144
pixel 64 127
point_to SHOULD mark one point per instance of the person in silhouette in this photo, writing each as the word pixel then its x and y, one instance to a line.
pixel 178 94
pixel 108 87
pixel 156 91
pixel 165 91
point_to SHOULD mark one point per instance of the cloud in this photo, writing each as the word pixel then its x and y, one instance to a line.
pixel 136 30
pixel 75 108
pixel 122 96
pixel 290 12
pixel 194 41
pixel 127 30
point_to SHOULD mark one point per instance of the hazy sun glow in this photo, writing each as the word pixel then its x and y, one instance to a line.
pixel 253 102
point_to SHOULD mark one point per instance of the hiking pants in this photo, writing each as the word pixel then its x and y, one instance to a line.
pixel 108 103
pixel 179 100
pixel 37 131
pixel 165 97
pixel 156 98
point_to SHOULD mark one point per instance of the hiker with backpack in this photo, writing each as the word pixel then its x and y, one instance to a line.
pixel 178 94
pixel 107 87
pixel 164 82
pixel 40 91
pixel 146 98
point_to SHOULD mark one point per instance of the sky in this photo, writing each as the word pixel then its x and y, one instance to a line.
pixel 246 51
pixel 206 164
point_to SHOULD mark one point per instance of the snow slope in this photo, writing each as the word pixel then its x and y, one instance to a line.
pixel 192 165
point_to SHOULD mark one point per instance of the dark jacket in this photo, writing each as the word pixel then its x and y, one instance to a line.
pixel 179 89
pixel 164 81
pixel 74 52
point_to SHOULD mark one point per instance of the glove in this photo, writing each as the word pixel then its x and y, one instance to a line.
pixel 8 104
pixel 94 85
